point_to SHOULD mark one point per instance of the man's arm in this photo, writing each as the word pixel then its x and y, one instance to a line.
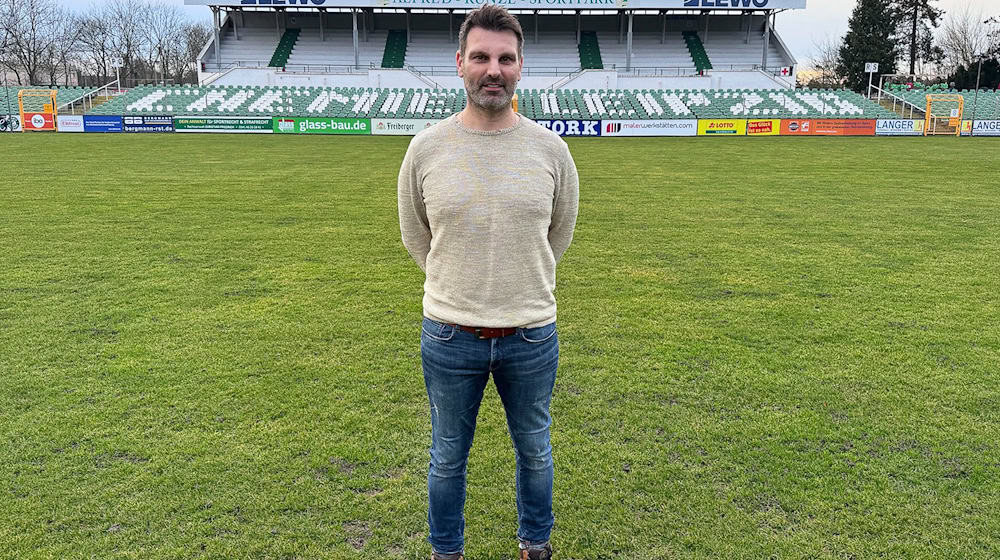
pixel 564 206
pixel 413 224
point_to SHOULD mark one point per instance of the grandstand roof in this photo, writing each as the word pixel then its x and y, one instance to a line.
pixel 516 4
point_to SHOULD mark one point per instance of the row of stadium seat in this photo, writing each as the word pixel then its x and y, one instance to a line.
pixel 63 95
pixel 535 103
pixel 985 105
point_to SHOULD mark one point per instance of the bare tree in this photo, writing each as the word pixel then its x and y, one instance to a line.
pixel 963 38
pixel 196 35
pixel 163 36
pixel 36 31
pixel 825 59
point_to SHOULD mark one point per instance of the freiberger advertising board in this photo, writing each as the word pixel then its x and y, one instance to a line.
pixel 400 127
pixel 253 125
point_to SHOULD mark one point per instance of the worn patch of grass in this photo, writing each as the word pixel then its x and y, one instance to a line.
pixel 771 347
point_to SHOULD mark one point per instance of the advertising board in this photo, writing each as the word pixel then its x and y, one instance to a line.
pixel 966 128
pixel 986 128
pixel 69 123
pixel 649 128
pixel 10 123
pixel 38 121
pixel 828 127
pixel 400 127
pixel 573 127
pixel 250 125
pixel 321 125
pixel 899 127
pixel 149 124
pixel 520 4
pixel 763 127
pixel 722 127
pixel 102 123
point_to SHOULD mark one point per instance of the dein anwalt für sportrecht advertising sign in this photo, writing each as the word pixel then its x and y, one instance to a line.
pixel 317 125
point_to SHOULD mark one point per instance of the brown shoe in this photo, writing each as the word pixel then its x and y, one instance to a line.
pixel 543 553
pixel 454 556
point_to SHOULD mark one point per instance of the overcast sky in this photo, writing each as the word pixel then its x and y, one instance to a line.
pixel 800 29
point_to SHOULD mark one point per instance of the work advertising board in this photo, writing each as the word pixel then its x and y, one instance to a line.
pixel 70 123
pixel 649 128
pixel 320 125
pixel 102 123
pixel 572 127
pixel 986 128
pixel 722 127
pixel 149 124
pixel 899 127
pixel 400 127
pixel 828 127
pixel 246 125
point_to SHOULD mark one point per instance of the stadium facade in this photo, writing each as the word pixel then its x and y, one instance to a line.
pixel 569 44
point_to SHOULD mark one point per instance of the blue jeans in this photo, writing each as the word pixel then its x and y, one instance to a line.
pixel 456 367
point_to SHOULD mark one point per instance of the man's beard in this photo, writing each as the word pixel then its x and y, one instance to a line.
pixel 488 101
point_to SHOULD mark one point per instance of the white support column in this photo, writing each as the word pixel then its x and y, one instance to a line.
pixel 218 43
pixel 236 29
pixel 767 40
pixel 408 34
pixel 277 26
pixel 536 27
pixel 322 16
pixel 704 40
pixel 451 27
pixel 578 28
pixel 628 44
pixel 364 25
pixel 354 30
pixel 621 28
pixel 749 27
pixel 663 34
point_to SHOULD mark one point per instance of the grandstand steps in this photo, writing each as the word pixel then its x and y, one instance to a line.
pixel 902 110
pixel 284 49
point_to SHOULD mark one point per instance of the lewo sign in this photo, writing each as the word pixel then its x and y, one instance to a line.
pixel 316 125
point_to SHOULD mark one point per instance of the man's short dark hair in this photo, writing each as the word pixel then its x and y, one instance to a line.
pixel 491 18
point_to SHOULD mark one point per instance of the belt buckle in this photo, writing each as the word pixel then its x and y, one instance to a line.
pixel 479 334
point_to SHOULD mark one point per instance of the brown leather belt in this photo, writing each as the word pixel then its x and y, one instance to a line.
pixel 487 332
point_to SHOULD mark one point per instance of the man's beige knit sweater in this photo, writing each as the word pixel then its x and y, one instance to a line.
pixel 486 215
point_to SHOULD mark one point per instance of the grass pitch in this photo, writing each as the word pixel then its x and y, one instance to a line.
pixel 771 347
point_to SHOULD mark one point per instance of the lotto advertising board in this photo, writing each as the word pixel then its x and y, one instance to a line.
pixel 38 121
pixel 828 127
pixel 986 128
pixel 318 125
pixel 400 127
pixel 69 123
pixel 899 127
pixel 149 124
pixel 246 125
pixel 573 127
pixel 722 127
pixel 765 127
pixel 649 128
pixel 102 123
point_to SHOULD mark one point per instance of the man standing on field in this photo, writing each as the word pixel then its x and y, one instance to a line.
pixel 487 206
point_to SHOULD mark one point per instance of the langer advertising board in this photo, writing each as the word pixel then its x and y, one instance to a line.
pixel 649 128
pixel 519 4
pixel 899 127
pixel 986 128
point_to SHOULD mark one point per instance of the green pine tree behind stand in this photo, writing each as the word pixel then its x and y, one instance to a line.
pixel 915 20
pixel 871 37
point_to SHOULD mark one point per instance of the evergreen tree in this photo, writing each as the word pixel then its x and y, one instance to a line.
pixel 870 38
pixel 916 20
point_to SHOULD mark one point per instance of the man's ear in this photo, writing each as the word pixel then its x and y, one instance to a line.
pixel 458 63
